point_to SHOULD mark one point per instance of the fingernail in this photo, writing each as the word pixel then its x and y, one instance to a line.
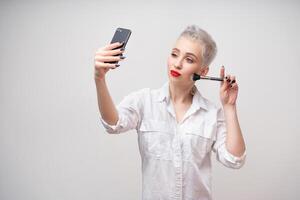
pixel 122 57
pixel 123 48
pixel 233 81
pixel 231 86
pixel 117 65
pixel 226 77
pixel 228 80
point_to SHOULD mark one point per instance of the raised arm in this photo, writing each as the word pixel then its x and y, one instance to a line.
pixel 106 105
pixel 228 94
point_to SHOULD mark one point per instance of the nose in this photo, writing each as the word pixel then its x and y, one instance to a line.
pixel 178 64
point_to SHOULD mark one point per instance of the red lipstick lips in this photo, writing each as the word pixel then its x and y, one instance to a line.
pixel 175 73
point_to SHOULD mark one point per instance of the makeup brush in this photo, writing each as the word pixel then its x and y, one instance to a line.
pixel 198 77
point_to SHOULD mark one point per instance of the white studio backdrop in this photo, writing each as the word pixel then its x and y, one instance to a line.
pixel 52 145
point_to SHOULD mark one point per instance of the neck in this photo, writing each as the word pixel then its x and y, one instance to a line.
pixel 180 93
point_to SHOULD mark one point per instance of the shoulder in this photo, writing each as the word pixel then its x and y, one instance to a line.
pixel 139 98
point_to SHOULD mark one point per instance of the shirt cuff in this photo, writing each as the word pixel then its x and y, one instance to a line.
pixel 111 128
pixel 232 158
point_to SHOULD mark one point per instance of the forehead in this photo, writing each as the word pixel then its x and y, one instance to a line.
pixel 188 45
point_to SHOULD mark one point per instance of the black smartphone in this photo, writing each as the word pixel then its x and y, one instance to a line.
pixel 121 35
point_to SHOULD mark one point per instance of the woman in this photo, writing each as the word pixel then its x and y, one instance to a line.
pixel 177 127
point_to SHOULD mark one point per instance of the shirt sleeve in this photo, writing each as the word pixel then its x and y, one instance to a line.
pixel 219 147
pixel 128 112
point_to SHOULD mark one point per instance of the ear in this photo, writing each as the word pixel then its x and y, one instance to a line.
pixel 203 71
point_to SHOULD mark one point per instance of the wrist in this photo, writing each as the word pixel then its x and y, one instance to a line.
pixel 100 81
pixel 229 107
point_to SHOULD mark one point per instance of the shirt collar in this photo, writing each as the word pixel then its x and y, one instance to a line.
pixel 198 99
pixel 163 93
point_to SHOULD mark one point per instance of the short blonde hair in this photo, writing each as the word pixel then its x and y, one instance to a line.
pixel 209 47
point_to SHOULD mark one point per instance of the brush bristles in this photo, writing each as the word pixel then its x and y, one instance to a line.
pixel 196 77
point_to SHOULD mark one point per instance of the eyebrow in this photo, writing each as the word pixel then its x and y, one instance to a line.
pixel 188 53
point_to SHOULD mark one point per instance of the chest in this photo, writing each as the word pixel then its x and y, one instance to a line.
pixel 162 140
pixel 180 111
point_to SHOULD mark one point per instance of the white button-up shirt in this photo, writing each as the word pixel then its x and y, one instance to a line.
pixel 176 157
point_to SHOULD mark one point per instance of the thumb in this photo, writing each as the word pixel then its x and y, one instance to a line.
pixel 222 74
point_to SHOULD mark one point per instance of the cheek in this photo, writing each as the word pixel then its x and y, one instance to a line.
pixel 169 62
pixel 191 69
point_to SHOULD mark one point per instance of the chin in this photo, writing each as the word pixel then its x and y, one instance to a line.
pixel 177 81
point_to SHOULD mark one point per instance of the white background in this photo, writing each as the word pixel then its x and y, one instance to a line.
pixel 52 145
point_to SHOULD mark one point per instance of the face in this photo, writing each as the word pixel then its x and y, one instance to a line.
pixel 184 61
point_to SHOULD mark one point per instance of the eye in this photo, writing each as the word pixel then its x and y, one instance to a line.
pixel 189 60
pixel 173 55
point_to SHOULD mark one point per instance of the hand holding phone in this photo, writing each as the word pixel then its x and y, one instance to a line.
pixel 107 57
pixel 121 35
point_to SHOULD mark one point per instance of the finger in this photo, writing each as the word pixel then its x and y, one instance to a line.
pixel 227 79
pixel 109 58
pixel 224 86
pixel 234 86
pixel 232 79
pixel 113 45
pixel 222 72
pixel 105 65
pixel 226 83
pixel 111 52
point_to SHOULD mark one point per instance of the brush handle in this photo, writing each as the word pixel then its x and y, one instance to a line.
pixel 198 77
pixel 211 78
